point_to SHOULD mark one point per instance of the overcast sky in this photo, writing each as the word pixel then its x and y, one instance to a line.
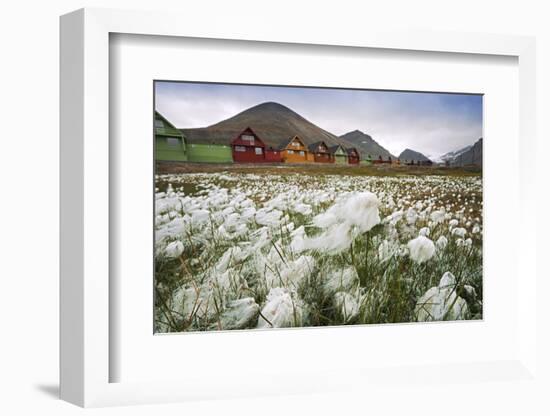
pixel 431 123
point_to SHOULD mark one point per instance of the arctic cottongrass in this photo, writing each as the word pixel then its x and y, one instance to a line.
pixel 438 216
pixel 347 306
pixel 290 274
pixel 441 242
pixel 386 250
pixel 174 249
pixel 280 310
pixel 425 231
pixel 280 247
pixel 361 210
pixel 411 216
pixel 239 314
pixel 333 241
pixel 460 232
pixel 341 279
pixel 421 249
pixel 441 302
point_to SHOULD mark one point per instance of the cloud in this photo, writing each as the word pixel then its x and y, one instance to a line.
pixel 431 123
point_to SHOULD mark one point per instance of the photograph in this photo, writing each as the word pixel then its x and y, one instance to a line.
pixel 302 206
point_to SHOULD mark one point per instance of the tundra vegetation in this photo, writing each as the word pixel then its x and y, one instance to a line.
pixel 242 250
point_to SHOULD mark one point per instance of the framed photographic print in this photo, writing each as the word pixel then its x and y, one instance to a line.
pixel 327 224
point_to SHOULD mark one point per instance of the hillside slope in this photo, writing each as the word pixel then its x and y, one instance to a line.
pixel 365 144
pixel 273 122
pixel 412 155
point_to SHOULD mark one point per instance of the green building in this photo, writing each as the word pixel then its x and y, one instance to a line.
pixel 169 141
pixel 367 161
pixel 209 153
pixel 339 154
pixel 206 145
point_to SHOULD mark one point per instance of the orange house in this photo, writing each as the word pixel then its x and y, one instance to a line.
pixel 295 151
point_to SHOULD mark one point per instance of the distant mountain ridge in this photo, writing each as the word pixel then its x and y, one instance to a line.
pixel 366 145
pixel 412 155
pixel 472 156
pixel 450 156
pixel 273 122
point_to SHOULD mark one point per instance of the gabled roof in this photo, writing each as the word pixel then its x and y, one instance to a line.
pixel 249 131
pixel 284 146
pixel 334 149
pixel 352 150
pixel 314 146
pixel 168 129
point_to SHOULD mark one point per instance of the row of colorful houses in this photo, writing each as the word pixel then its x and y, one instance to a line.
pixel 247 147
pixel 397 161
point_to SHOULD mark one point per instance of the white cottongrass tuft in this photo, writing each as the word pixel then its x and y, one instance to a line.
pixel 325 219
pixel 280 310
pixel 174 249
pixel 239 314
pixel 361 210
pixel 441 242
pixel 460 232
pixel 425 231
pixel 441 302
pixel 290 274
pixel 342 222
pixel 411 216
pixel 421 249
pixel 347 306
pixel 438 216
pixel 341 279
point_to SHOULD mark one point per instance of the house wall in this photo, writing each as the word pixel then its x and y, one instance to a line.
pixel 209 153
pixel 295 157
pixel 340 159
pixel 249 155
pixel 169 152
pixel 273 156
pixel 323 158
pixel 353 160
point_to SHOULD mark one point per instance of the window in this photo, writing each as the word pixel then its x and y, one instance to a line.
pixel 159 124
pixel 240 149
pixel 290 152
pixel 258 150
pixel 302 153
pixel 247 138
pixel 295 144
pixel 172 141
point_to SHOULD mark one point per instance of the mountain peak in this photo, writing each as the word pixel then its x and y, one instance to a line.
pixel 274 123
pixel 365 144
pixel 271 106
pixel 409 154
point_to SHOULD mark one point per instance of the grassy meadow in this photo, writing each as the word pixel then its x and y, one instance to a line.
pixel 243 247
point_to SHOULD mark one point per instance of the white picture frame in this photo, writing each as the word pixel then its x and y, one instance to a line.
pixel 85 355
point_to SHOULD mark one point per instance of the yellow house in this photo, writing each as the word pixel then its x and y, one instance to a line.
pixel 295 151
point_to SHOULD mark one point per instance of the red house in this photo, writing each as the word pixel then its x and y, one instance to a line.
pixel 353 156
pixel 382 161
pixel 273 155
pixel 321 153
pixel 247 147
